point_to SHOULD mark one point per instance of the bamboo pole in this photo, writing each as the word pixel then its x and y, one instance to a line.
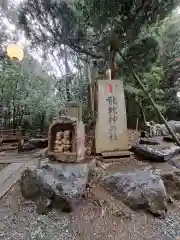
pixel 143 114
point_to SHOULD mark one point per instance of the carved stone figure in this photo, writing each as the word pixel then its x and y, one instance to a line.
pixel 58 146
pixel 67 141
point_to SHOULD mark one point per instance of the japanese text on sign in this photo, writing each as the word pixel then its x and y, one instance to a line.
pixel 112 117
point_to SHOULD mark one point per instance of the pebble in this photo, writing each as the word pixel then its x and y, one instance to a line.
pixel 2 226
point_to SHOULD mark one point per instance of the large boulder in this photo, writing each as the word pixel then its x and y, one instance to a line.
pixel 148 141
pixel 155 153
pixel 55 185
pixel 142 189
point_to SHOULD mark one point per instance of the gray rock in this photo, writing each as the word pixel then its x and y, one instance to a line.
pixel 148 141
pixel 39 142
pixel 28 147
pixel 55 185
pixel 172 184
pixel 155 153
pixel 95 173
pixel 30 187
pixel 175 125
pixel 139 190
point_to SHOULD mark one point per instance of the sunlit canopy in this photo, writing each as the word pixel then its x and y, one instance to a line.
pixel 15 51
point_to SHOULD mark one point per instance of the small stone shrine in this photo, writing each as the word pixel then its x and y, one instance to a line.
pixel 66 140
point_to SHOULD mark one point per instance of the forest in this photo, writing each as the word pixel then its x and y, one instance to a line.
pixel 64 37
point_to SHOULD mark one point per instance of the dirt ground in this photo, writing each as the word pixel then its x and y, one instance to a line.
pixel 99 218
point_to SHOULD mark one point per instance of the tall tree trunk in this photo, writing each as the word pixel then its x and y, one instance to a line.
pixel 14 117
pixel 91 92
pixel 67 73
pixel 42 117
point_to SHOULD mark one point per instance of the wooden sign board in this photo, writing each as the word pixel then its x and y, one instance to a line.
pixel 111 126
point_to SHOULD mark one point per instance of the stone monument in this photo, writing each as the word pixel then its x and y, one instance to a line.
pixel 111 126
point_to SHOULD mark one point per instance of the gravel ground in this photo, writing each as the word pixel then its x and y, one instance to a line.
pixel 90 221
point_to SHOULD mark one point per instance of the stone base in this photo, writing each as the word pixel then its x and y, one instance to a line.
pixel 63 157
pixel 119 154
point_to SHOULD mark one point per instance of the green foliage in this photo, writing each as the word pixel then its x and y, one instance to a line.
pixel 26 95
pixel 162 81
pixel 86 26
pixel 142 54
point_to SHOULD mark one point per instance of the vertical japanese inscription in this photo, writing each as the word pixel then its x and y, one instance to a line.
pixel 112 117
